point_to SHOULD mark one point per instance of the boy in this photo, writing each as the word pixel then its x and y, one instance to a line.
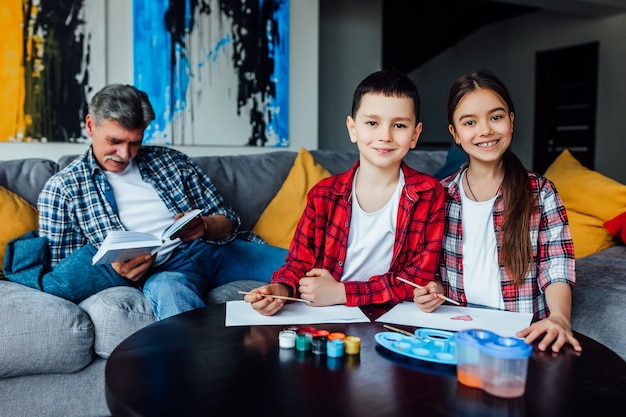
pixel 378 221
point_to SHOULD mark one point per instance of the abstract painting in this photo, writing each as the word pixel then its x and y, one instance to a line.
pixel 216 71
pixel 46 69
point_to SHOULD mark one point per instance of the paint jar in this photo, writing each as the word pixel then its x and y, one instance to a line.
pixel 336 335
pixel 468 344
pixel 352 345
pixel 504 366
pixel 318 345
pixel 321 332
pixel 308 330
pixel 335 348
pixel 287 339
pixel 303 342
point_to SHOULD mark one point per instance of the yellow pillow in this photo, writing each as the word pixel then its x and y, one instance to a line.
pixel 587 236
pixel 590 199
pixel 17 216
pixel 278 222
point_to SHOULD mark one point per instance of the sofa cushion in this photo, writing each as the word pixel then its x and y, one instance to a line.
pixel 27 177
pixel 42 333
pixel 590 199
pixel 248 182
pixel 597 310
pixel 116 313
pixel 17 216
pixel 278 222
pixel 455 158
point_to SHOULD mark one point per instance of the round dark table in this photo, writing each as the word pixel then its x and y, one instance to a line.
pixel 192 365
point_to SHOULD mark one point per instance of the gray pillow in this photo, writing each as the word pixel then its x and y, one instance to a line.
pixel 27 176
pixel 248 182
pixel 42 333
pixel 116 313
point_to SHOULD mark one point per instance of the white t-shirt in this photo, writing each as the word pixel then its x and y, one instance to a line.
pixel 371 237
pixel 481 273
pixel 140 208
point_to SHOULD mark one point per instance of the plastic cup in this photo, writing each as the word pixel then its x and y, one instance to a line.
pixel 468 346
pixel 504 366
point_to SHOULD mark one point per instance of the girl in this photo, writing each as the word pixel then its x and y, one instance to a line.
pixel 507 243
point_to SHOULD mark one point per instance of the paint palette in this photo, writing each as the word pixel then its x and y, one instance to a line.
pixel 430 345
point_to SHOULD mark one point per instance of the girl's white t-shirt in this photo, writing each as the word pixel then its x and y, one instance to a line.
pixel 481 273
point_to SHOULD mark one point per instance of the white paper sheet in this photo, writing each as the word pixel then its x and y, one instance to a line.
pixel 504 323
pixel 240 313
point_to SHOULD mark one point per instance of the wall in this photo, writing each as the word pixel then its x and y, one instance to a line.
pixel 509 48
pixel 303 83
pixel 350 49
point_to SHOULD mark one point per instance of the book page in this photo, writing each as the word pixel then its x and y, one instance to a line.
pixel 120 246
pixel 179 224
pixel 123 245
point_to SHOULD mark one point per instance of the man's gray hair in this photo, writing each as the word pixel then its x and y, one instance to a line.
pixel 123 103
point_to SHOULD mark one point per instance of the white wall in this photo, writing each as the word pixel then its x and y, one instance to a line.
pixel 303 83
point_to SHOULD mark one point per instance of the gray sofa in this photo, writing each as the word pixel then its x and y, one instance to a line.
pixel 53 352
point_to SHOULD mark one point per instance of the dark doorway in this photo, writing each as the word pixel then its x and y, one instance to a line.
pixel 565 104
pixel 416 31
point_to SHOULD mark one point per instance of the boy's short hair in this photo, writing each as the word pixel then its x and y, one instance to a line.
pixel 391 83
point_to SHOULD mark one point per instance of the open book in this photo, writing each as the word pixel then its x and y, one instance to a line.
pixel 122 245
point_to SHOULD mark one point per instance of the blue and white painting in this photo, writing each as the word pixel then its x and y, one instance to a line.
pixel 216 71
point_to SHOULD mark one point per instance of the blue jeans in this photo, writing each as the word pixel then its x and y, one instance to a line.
pixel 180 283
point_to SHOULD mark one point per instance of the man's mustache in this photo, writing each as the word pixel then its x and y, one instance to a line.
pixel 116 159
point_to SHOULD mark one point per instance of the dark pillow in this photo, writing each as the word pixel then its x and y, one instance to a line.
pixel 456 157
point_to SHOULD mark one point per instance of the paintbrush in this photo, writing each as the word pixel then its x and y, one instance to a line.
pixel 282 297
pixel 395 329
pixel 443 297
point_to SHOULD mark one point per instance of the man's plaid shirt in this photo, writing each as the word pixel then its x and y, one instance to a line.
pixel 77 207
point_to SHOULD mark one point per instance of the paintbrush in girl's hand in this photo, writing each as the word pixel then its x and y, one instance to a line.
pixel 443 297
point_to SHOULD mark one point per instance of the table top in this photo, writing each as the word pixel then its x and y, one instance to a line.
pixel 191 364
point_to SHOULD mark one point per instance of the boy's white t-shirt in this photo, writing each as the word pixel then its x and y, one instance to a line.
pixel 140 208
pixel 371 237
pixel 481 273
